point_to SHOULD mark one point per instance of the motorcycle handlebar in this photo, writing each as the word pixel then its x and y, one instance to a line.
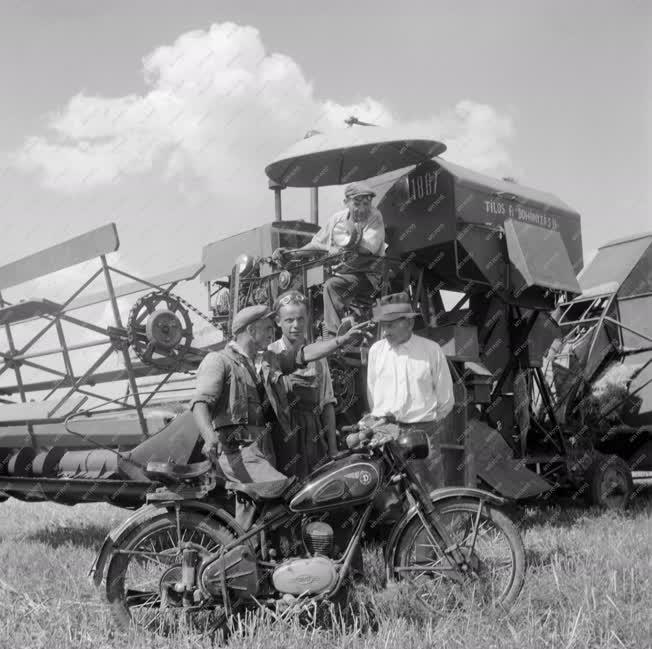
pixel 362 435
pixel 358 439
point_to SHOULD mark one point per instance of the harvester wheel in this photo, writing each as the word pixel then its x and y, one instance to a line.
pixel 609 482
pixel 641 459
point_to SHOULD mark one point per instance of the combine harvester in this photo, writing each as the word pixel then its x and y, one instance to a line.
pixel 600 369
pixel 510 253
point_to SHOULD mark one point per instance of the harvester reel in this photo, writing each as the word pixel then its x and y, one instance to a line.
pixel 159 330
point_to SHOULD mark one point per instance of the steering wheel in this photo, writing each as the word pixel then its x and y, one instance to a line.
pixel 296 256
pixel 300 253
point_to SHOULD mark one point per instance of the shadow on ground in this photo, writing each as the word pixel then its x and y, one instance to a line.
pixel 89 536
pixel 565 511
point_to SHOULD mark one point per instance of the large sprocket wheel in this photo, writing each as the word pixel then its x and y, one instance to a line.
pixel 159 330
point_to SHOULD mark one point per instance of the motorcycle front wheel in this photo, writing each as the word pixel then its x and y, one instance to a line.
pixel 143 569
pixel 491 546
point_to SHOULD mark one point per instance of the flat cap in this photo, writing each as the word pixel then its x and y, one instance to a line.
pixel 358 189
pixel 249 315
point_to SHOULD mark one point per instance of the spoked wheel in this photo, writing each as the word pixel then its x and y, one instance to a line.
pixel 491 545
pixel 144 572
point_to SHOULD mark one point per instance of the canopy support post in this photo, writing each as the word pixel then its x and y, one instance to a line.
pixel 277 188
pixel 314 205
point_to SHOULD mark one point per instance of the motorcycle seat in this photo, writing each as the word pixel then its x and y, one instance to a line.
pixel 259 491
pixel 168 471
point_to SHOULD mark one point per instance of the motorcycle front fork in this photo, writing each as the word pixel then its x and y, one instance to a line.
pixel 434 526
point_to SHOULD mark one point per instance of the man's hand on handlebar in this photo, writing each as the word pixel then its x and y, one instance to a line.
pixel 371 432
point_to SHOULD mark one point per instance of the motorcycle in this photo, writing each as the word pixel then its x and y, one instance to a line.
pixel 184 560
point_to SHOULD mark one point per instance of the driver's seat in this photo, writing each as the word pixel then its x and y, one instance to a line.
pixel 171 472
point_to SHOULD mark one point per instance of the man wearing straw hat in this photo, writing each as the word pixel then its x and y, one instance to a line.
pixel 408 377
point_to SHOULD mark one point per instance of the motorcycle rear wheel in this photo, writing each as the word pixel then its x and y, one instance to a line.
pixel 493 549
pixel 145 560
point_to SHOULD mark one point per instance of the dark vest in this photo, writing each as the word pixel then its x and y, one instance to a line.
pixel 240 403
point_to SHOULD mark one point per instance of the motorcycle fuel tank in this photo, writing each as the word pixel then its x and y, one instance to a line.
pixel 351 480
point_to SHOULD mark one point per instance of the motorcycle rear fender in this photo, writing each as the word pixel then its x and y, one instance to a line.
pixel 117 536
pixel 437 496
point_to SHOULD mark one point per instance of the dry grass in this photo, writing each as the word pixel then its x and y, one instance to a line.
pixel 589 585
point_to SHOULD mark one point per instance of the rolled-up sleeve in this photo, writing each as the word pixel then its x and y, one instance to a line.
pixel 322 239
pixel 443 382
pixel 373 234
pixel 211 376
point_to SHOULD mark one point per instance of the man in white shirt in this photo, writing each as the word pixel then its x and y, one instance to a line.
pixel 360 275
pixel 408 377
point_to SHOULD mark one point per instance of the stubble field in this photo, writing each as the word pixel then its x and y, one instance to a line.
pixel 589 585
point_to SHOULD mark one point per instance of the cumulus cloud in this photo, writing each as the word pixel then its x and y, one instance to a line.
pixel 218 106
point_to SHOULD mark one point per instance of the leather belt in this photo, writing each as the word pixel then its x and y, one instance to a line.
pixel 239 435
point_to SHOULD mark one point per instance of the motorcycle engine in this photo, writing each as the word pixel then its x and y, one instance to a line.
pixel 305 576
pixel 318 538
pixel 311 575
pixel 238 567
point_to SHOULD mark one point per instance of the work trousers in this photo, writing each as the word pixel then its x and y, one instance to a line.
pixel 339 292
pixel 247 464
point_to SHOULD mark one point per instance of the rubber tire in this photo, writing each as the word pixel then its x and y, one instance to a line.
pixel 501 520
pixel 117 565
pixel 642 455
pixel 594 476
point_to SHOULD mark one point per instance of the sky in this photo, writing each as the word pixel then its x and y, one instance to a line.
pixel 161 116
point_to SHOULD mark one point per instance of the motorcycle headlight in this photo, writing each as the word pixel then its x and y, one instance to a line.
pixel 414 444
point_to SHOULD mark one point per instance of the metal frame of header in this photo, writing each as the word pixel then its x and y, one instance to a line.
pixel 55 406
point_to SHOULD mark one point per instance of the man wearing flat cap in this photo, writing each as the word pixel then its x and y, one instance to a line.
pixel 408 377
pixel 236 403
pixel 359 276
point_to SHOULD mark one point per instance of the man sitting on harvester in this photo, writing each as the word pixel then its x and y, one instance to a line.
pixel 356 277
